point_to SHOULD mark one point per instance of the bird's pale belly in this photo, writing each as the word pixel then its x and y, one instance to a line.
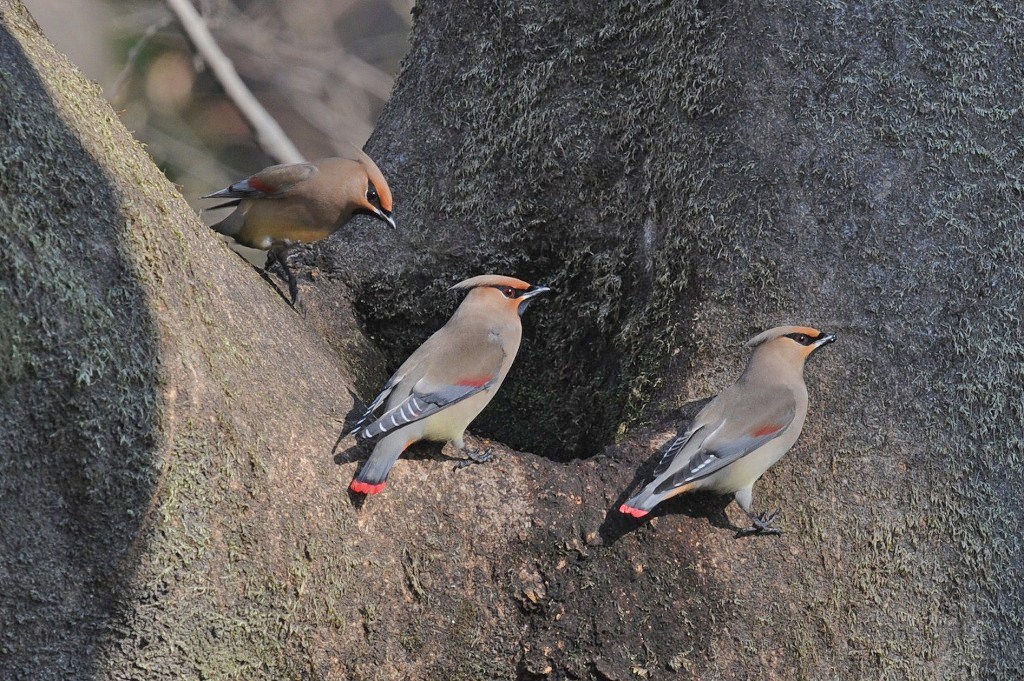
pixel 451 423
pixel 748 469
pixel 266 235
pixel 282 222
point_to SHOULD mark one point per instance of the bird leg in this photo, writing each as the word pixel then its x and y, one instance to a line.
pixel 762 524
pixel 279 256
pixel 264 272
pixel 473 457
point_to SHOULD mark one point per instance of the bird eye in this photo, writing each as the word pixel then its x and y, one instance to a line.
pixel 371 195
pixel 802 339
pixel 508 291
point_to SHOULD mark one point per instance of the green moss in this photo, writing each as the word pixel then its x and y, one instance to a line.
pixel 79 400
pixel 594 188
pixel 685 176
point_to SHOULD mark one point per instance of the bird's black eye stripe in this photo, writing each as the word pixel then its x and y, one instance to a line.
pixel 509 292
pixel 802 338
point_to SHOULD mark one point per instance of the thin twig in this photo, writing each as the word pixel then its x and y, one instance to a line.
pixel 269 134
pixel 334 60
pixel 175 146
pixel 133 56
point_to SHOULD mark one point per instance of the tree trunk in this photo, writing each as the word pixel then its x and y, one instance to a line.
pixel 171 505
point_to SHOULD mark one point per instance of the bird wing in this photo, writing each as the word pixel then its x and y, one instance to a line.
pixel 270 182
pixel 370 415
pixel 450 374
pixel 412 370
pixel 732 426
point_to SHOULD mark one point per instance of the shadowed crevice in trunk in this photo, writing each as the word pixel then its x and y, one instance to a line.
pixel 79 380
pixel 549 148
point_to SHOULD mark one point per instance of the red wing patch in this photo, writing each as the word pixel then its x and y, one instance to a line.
pixel 767 429
pixel 261 186
pixel 475 382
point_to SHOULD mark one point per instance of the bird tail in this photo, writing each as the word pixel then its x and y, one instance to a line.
pixel 231 225
pixel 372 477
pixel 650 496
pixel 226 204
pixel 664 484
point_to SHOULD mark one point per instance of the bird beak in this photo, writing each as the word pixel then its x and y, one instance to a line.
pixel 534 291
pixel 824 340
pixel 530 293
pixel 386 217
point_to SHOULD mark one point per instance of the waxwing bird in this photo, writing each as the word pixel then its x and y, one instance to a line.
pixel 449 379
pixel 296 203
pixel 743 431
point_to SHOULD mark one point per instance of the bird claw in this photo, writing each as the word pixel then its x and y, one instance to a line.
pixel 278 259
pixel 293 289
pixel 762 524
pixel 299 305
pixel 474 457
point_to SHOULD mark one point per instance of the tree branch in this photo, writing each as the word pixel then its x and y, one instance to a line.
pixel 115 92
pixel 268 133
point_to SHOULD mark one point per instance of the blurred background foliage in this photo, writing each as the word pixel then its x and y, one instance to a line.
pixel 322 68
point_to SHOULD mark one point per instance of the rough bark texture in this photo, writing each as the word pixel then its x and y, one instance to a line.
pixel 170 503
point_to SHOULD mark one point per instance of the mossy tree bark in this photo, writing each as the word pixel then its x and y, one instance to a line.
pixel 685 176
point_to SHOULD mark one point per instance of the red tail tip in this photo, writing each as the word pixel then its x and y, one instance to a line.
pixel 635 512
pixel 366 488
